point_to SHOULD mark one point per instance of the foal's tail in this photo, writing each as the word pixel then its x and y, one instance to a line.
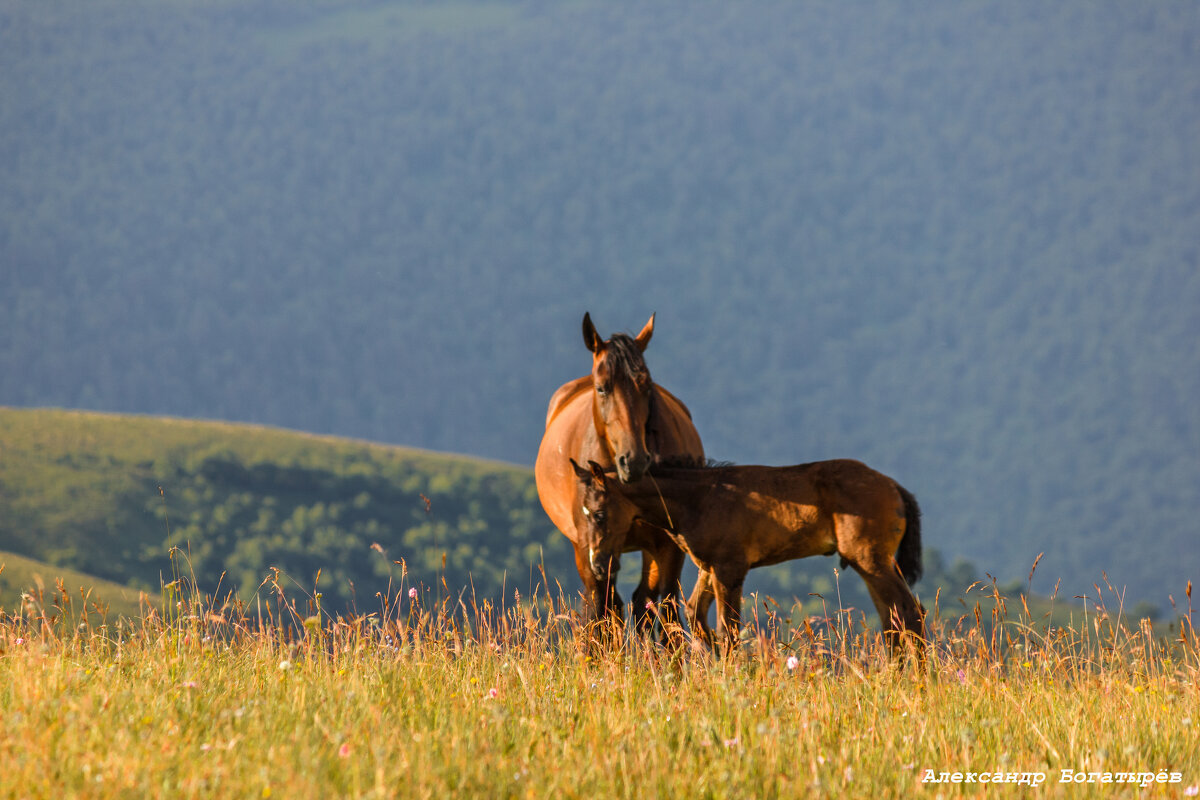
pixel 908 556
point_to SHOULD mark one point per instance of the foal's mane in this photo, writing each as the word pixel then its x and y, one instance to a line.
pixel 688 462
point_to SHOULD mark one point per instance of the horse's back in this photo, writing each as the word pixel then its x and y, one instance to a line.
pixel 563 396
pixel 847 478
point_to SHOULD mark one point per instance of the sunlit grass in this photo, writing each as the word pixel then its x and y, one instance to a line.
pixel 434 696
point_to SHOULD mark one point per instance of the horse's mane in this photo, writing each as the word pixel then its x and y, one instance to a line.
pixel 625 356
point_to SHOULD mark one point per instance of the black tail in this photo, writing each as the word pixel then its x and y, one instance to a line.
pixel 908 556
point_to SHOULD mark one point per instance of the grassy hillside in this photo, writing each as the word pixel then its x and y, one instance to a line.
pixel 112 496
pixel 32 588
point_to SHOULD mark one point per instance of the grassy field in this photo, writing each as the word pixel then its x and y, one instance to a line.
pixel 433 698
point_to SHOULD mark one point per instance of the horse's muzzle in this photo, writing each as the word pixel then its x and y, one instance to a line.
pixel 632 467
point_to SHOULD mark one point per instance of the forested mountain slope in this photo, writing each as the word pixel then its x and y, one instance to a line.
pixel 957 242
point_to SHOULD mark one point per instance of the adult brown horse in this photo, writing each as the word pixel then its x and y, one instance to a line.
pixel 731 519
pixel 619 418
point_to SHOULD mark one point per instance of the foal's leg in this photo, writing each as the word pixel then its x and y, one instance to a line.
pixel 900 615
pixel 728 589
pixel 697 608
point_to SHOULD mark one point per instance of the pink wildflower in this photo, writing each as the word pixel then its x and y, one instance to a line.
pixel 344 750
pixel 792 663
pixel 493 693
pixel 962 676
pixel 412 593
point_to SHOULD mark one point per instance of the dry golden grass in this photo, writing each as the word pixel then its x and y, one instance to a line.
pixel 429 697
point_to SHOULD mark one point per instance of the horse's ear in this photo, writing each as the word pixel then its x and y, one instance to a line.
pixel 590 337
pixel 643 338
pixel 580 472
pixel 597 471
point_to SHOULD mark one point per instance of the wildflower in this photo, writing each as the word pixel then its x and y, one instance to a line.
pixel 344 750
pixel 792 663
pixel 962 676
pixel 493 693
pixel 285 665
pixel 734 742
pixel 649 605
pixel 20 641
pixel 412 593
pixel 189 685
pixel 1192 790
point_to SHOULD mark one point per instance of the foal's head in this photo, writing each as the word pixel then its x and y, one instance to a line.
pixel 603 517
pixel 621 397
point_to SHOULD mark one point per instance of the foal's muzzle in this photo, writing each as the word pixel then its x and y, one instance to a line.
pixel 605 564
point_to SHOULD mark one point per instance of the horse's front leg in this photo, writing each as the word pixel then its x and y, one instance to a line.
pixel 644 596
pixel 659 594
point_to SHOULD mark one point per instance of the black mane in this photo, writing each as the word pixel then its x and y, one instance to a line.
pixel 625 357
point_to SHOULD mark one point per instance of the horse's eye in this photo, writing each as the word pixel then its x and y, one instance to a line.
pixel 601 389
pixel 598 516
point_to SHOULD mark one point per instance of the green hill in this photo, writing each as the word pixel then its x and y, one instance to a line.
pixel 111 496
pixel 30 588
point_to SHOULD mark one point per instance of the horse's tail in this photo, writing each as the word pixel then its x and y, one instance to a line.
pixel 908 555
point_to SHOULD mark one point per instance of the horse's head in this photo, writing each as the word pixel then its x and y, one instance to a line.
pixel 603 517
pixel 621 396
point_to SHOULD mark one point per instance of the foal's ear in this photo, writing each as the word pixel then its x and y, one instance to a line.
pixel 643 338
pixel 590 337
pixel 597 471
pixel 580 472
